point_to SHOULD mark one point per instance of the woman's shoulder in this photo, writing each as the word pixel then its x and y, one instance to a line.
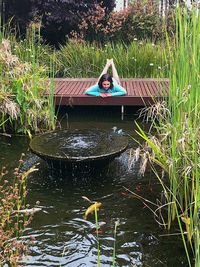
pixel 93 87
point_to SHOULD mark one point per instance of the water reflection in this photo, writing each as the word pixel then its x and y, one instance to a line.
pixel 64 238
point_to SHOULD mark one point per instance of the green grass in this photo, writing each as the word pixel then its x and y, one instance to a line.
pixel 139 59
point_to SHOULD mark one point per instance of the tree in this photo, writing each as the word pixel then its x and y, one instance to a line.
pixel 58 17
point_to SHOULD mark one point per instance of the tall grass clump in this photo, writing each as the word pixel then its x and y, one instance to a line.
pixel 30 47
pixel 24 104
pixel 176 147
pixel 34 50
pixel 138 59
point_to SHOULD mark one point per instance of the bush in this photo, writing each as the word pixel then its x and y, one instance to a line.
pixel 140 20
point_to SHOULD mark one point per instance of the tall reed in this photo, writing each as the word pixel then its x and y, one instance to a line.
pixel 176 147
pixel 139 59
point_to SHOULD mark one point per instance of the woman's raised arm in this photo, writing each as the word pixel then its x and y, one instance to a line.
pixel 105 70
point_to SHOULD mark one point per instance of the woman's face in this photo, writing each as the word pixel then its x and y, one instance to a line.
pixel 106 85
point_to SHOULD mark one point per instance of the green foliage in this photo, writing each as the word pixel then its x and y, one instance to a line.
pixel 92 20
pixel 139 59
pixel 24 83
pixel 176 146
pixel 141 20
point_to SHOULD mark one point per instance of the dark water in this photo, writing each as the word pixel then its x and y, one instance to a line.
pixel 63 237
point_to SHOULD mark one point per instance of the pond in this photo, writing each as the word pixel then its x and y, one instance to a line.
pixel 62 236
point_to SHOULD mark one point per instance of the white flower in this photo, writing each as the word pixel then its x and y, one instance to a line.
pixel 153 44
pixel 135 39
pixel 151 64
pixel 159 67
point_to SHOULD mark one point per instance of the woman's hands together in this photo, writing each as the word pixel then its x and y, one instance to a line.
pixel 109 62
pixel 105 94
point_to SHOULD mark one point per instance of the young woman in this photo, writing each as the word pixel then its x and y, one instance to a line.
pixel 106 84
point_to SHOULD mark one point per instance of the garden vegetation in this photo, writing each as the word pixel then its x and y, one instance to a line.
pixel 13 221
pixel 176 145
pixel 136 39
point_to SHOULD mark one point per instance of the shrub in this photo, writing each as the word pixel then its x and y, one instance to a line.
pixel 140 20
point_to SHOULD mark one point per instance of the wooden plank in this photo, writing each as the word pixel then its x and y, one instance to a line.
pixel 152 88
pixel 129 87
pixel 158 88
pixel 58 86
pixel 109 101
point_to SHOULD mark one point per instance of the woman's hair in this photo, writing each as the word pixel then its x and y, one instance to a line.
pixel 105 77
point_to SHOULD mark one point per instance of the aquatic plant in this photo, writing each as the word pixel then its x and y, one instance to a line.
pixel 114 246
pixel 176 145
pixel 93 208
pixel 13 219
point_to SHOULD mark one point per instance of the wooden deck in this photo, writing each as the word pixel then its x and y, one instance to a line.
pixel 140 92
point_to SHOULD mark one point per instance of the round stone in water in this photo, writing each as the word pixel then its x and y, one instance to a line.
pixel 78 145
